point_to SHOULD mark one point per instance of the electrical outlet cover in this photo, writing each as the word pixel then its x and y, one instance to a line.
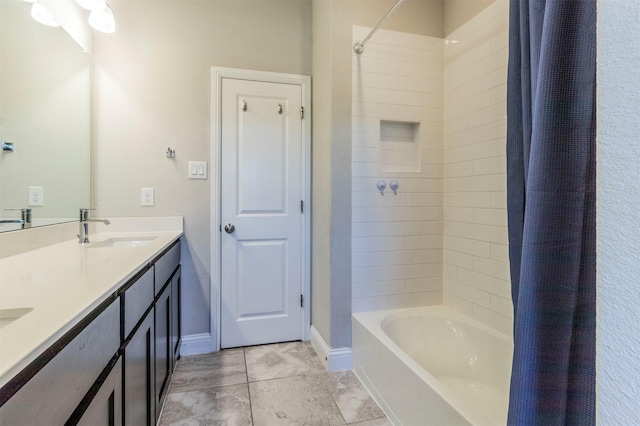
pixel 36 196
pixel 146 197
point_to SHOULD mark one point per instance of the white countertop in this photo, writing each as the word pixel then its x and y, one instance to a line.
pixel 63 282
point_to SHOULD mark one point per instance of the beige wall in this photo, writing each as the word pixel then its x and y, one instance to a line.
pixel 321 167
pixel 458 12
pixel 152 91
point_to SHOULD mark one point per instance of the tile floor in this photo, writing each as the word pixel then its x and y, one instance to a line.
pixel 280 384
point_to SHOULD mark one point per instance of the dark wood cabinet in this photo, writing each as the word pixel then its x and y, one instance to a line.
pixel 149 351
pixel 139 373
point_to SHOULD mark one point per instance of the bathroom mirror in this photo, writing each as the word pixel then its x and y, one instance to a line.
pixel 45 81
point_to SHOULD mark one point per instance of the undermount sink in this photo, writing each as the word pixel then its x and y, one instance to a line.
pixel 123 242
pixel 7 316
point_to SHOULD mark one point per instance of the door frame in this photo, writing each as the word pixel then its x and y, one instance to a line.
pixel 217 74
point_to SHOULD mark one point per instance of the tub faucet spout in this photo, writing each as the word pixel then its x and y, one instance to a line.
pixel 83 235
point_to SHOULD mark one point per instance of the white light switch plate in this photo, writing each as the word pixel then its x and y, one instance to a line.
pixel 197 170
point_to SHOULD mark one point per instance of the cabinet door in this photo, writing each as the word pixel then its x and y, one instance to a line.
pixel 106 407
pixel 52 394
pixel 175 316
pixel 163 347
pixel 139 358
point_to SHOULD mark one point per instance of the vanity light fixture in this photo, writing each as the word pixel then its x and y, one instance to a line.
pixel 101 17
pixel 103 20
pixel 92 4
pixel 42 15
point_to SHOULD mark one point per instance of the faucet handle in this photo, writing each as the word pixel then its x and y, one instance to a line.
pixel 84 214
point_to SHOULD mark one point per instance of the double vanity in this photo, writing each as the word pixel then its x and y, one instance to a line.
pixel 90 333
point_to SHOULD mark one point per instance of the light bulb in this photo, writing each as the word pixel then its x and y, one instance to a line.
pixel 42 15
pixel 92 4
pixel 103 20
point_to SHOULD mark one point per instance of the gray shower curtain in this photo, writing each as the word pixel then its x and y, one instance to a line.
pixel 551 208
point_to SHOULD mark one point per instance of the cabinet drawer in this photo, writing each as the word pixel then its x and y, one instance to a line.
pixel 136 299
pixel 165 266
pixel 53 393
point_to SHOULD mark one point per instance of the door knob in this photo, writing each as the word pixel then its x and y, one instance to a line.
pixel 229 228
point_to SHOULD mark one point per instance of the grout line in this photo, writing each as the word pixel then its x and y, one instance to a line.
pixel 206 388
pixel 290 377
pixel 246 372
pixel 335 402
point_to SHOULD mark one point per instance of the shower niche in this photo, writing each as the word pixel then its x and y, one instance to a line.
pixel 400 147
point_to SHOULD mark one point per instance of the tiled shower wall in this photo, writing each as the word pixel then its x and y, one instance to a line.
pixel 476 269
pixel 443 238
pixel 397 239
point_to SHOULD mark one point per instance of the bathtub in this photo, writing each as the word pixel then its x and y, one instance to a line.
pixel 433 366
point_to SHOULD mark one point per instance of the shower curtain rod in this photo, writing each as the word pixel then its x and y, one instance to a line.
pixel 359 46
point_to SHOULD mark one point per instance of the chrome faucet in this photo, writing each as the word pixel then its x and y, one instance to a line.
pixel 83 236
pixel 25 218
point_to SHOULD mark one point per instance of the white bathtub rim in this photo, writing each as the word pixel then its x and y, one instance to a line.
pixel 441 311
pixel 472 415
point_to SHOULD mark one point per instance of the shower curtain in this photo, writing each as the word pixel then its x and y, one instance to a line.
pixel 551 210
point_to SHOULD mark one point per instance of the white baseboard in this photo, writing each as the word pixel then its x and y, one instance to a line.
pixel 334 359
pixel 196 344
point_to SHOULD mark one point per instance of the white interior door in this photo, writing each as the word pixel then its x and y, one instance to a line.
pixel 262 223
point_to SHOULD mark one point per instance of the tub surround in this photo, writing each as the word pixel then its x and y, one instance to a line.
pixel 476 279
pixel 64 281
pixel 397 135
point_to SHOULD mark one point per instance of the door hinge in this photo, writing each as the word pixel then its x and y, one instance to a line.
pixel 301 300
pixel 301 206
pixel 301 113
